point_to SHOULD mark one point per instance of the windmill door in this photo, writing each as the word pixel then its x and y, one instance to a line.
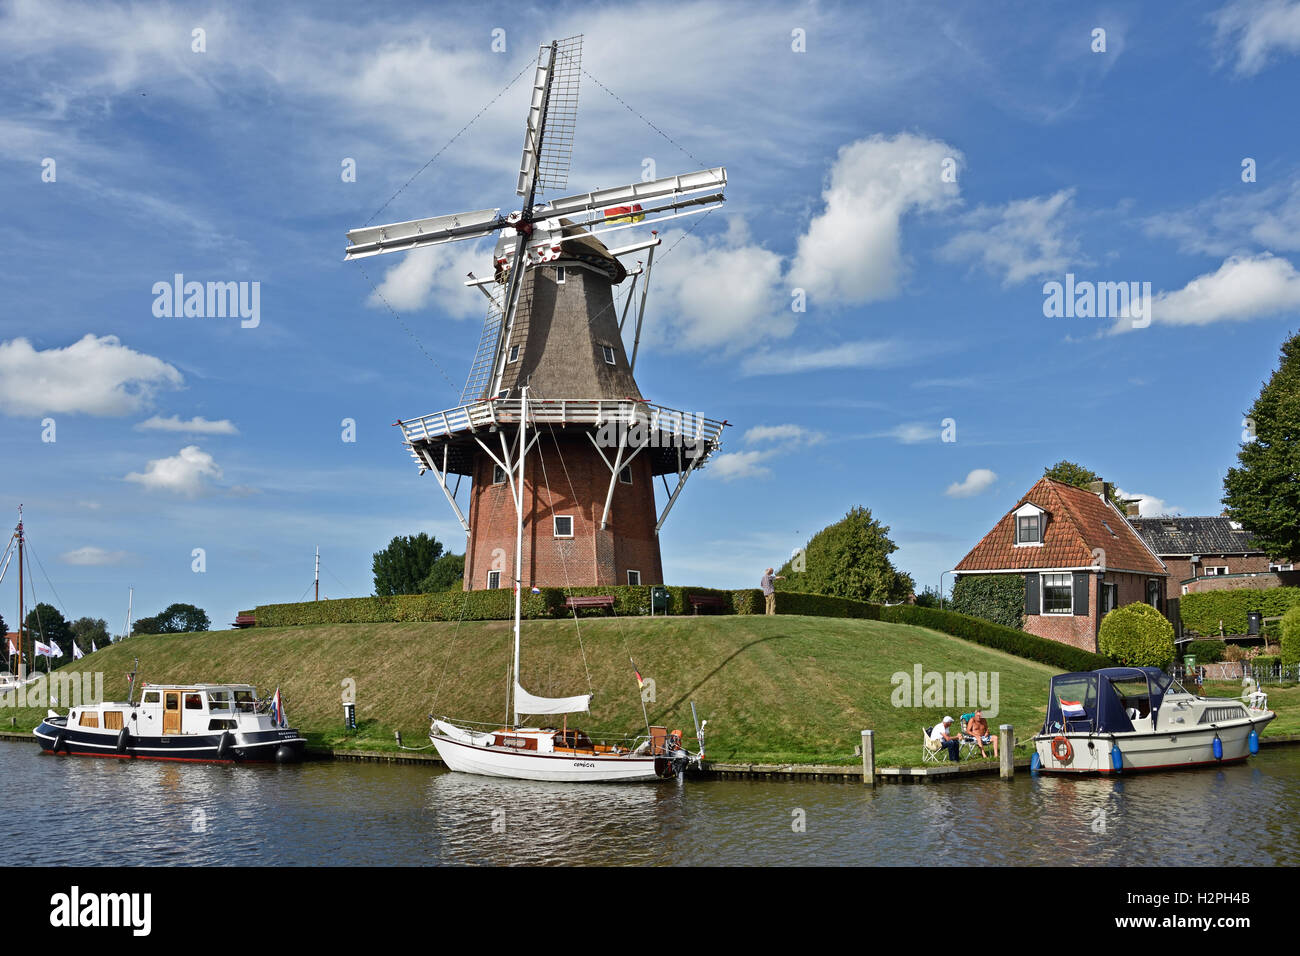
pixel 172 712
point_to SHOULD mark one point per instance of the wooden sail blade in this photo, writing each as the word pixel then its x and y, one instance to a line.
pixel 400 236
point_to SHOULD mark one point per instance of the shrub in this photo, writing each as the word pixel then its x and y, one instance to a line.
pixel 1291 637
pixel 1265 661
pixel 821 605
pixel 1207 652
pixel 1137 635
pixel 999 598
pixel 1235 652
pixel 1202 612
pixel 975 629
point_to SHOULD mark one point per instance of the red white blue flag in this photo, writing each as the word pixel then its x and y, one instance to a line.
pixel 1072 708
pixel 277 710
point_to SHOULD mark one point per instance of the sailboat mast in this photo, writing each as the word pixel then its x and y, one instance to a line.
pixel 519 538
pixel 318 572
pixel 130 598
pixel 20 592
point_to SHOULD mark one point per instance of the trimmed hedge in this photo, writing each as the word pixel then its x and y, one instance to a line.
pixel 1029 646
pixel 1290 643
pixel 1137 635
pixel 999 598
pixel 1207 652
pixel 1201 612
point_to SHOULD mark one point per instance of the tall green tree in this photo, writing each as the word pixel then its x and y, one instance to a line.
pixel 1071 473
pixel 402 566
pixel 448 573
pixel 1263 492
pixel 88 630
pixel 45 623
pixel 849 559
pixel 176 619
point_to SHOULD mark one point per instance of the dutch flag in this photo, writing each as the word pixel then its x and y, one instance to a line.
pixel 277 710
pixel 1072 708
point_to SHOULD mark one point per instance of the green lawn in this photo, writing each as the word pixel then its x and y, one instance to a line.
pixel 784 689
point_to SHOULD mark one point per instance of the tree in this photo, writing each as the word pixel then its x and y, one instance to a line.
pixel 1074 474
pixel 849 559
pixel 44 623
pixel 999 598
pixel 1289 643
pixel 1264 492
pixel 1137 635
pixel 90 630
pixel 447 574
pixel 176 619
pixel 402 566
pixel 929 597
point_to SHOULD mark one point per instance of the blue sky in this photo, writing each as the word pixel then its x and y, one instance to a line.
pixel 919 170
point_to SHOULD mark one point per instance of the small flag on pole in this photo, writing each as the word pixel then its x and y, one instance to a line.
pixel 76 652
pixel 58 651
pixel 1072 708
pixel 277 710
pixel 12 648
pixel 42 650
pixel 93 648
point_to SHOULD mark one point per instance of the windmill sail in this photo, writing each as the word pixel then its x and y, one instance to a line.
pixel 552 117
pixel 526 703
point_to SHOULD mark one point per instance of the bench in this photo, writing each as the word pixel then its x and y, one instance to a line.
pixel 245 620
pixel 602 601
pixel 698 601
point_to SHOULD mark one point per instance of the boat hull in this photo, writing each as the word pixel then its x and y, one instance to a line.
pixel 1160 750
pixel 559 768
pixel 265 746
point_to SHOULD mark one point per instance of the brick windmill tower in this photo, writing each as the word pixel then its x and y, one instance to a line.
pixel 552 353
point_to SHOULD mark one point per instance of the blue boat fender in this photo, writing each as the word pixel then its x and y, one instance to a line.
pixel 1116 758
pixel 1253 740
pixel 1217 747
pixel 1035 763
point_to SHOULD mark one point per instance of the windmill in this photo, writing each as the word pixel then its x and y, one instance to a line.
pixel 552 349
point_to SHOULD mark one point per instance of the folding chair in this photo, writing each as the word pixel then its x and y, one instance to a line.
pixel 931 750
pixel 970 747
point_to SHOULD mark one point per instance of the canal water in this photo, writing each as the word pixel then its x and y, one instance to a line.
pixel 81 811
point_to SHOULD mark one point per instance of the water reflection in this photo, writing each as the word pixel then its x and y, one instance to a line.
pixel 110 812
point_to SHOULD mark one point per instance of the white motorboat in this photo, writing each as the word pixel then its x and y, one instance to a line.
pixel 1139 718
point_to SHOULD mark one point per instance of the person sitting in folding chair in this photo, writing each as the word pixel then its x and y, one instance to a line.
pixel 940 738
pixel 977 728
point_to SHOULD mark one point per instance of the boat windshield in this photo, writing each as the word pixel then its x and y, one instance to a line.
pixel 245 702
pixel 1134 696
pixel 219 700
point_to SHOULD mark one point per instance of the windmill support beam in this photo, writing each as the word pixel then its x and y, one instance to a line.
pixel 441 475
pixel 681 483
pixel 640 315
pixel 619 464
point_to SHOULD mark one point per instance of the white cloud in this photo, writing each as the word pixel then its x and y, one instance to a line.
pixel 414 279
pixel 185 473
pixel 1257 29
pixel 739 464
pixel 851 252
pixel 1019 240
pixel 783 433
pixel 95 375
pixel 90 556
pixel 749 464
pixel 1149 506
pixel 976 482
pixel 197 425
pixel 1241 221
pixel 911 433
pixel 1242 288
pixel 846 355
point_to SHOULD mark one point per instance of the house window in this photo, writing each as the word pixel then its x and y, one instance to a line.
pixel 1215 571
pixel 1058 593
pixel 494 579
pixel 634 577
pixel 625 474
pixel 1029 529
pixel 1153 593
pixel 498 475
pixel 564 526
pixel 514 354
pixel 1280 567
pixel 608 353
pixel 1109 598
pixel 559 275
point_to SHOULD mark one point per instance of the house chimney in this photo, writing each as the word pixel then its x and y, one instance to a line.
pixel 1133 508
pixel 1100 488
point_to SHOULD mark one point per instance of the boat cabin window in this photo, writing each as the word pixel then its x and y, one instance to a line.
pixel 221 724
pixel 89 718
pixel 1134 695
pixel 151 697
pixel 173 702
pixel 575 739
pixel 244 701
pixel 193 701
pixel 219 700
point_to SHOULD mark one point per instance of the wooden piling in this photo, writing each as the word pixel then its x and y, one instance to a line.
pixel 1006 752
pixel 869 757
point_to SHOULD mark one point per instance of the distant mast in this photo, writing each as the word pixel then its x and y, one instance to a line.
pixel 20 592
pixel 130 597
pixel 318 572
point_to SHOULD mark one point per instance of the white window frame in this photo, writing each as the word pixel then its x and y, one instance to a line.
pixel 556 525
pixel 632 583
pixel 1214 571
pixel 494 580
pixel 1280 567
pixel 514 354
pixel 498 470
pixel 608 352
pixel 1042 592
pixel 1028 510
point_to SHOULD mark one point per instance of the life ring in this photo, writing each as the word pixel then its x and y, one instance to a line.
pixel 1061 748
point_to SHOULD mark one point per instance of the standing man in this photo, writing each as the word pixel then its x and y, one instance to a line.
pixel 768 584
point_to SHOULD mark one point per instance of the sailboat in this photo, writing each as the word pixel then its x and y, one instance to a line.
pixel 548 752
pixel 12 680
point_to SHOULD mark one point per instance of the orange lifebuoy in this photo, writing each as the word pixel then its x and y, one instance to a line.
pixel 1061 748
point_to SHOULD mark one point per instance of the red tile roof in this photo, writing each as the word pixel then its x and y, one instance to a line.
pixel 1077 521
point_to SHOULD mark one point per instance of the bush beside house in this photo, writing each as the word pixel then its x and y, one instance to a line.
pixel 1201 612
pixel 1291 637
pixel 1137 635
pixel 999 598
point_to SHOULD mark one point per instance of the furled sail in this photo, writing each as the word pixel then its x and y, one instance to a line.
pixel 526 703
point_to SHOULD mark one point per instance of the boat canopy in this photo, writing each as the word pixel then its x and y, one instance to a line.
pixel 526 703
pixel 1109 699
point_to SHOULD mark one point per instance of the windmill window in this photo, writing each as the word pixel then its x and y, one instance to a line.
pixel 514 353
pixel 494 579
pixel 625 475
pixel 559 275
pixel 609 354
pixel 1029 529
pixel 634 577
pixel 564 526
pixel 498 475
pixel 1058 593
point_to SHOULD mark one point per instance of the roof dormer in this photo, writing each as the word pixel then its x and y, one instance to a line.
pixel 1029 524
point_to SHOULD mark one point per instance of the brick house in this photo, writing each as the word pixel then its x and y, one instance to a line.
pixel 1079 555
pixel 1210 554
